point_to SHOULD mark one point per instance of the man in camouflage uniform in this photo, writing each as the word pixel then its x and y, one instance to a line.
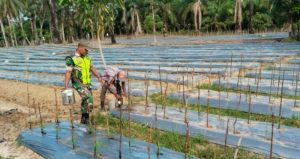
pixel 78 68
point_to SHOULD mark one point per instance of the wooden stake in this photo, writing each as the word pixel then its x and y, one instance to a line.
pixel 249 105
pixel 295 99
pixel 121 134
pixel 207 107
pixel 56 107
pixel 226 136
pixel 198 106
pixel 41 121
pixel 149 140
pixel 187 140
pixel 280 107
pixel 165 97
pixel 161 91
pixel 272 134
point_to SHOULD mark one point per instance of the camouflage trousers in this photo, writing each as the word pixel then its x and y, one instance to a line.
pixel 85 92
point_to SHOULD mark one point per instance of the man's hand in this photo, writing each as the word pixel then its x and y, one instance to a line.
pixel 101 81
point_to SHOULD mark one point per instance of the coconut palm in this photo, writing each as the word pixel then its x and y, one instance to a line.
pixel 193 6
pixel 238 15
pixel 10 9
pixel 134 16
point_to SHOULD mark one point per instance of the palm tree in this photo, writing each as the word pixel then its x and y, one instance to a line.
pixel 2 28
pixel 193 6
pixel 135 17
pixel 10 9
pixel 167 12
pixel 238 15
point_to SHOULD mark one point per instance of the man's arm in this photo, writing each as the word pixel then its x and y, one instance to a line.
pixel 124 88
pixel 96 74
pixel 67 79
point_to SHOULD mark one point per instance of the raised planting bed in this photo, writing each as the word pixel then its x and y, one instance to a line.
pixel 255 136
pixel 64 142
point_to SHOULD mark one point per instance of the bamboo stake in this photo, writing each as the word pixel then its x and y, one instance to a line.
pixel 96 144
pixel 279 79
pixel 272 134
pixel 165 97
pixel 149 140
pixel 147 88
pixel 219 91
pixel 280 107
pixel 71 118
pixel 249 105
pixel 56 107
pixel 193 77
pixel 187 140
pixel 121 134
pixel 230 65
pixel 207 107
pixel 271 86
pixel 198 106
pixel 161 91
pixel 73 138
pixel 129 113
pixel 226 136
pixel 295 99
pixel 41 121
pixel 183 92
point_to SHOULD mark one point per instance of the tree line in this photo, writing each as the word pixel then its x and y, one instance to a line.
pixel 27 22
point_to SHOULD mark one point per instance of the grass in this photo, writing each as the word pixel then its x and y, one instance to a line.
pixel 199 146
pixel 216 87
pixel 294 121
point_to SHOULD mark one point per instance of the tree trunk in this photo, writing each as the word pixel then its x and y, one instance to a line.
pixel 41 29
pixel 238 15
pixel 3 33
pixel 33 28
pixel 10 31
pixel 112 36
pixel 125 19
pixel 251 31
pixel 22 30
pixel 54 22
pixel 63 26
